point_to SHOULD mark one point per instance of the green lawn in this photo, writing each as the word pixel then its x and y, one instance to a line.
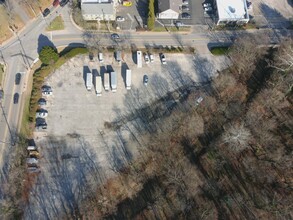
pixel 219 50
pixel 56 24
pixel 172 29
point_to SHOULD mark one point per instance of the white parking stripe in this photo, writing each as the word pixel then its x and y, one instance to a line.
pixel 130 16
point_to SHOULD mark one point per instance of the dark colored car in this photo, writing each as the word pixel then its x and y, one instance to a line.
pixel 55 3
pixel 145 80
pixel 17 78
pixel 46 12
pixel 15 98
pixel 63 3
pixel 42 102
pixel 185 8
pixel 115 36
pixel 46 88
pixel 91 56
pixel 185 15
pixel 1 94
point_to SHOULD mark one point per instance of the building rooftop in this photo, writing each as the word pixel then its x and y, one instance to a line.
pixel 164 5
pixel 231 9
pixel 97 8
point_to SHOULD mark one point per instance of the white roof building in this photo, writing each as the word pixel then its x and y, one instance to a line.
pixel 98 10
pixel 232 12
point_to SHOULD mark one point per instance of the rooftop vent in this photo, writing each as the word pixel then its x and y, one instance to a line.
pixel 232 10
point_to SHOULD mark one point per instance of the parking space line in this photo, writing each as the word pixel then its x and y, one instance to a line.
pixel 130 16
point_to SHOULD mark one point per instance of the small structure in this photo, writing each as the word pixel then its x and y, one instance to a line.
pixel 98 10
pixel 128 79
pixel 232 12
pixel 168 9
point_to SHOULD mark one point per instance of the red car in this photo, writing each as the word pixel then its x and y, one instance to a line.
pixel 56 3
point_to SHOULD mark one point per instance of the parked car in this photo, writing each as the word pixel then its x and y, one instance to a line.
pixel 46 12
pixel 34 154
pixel 185 15
pixel 208 9
pixel 120 18
pixel 63 3
pixel 42 102
pixel 41 113
pixel 127 3
pixel 1 94
pixel 55 3
pixel 163 59
pixel 146 58
pixel 101 59
pixel 46 88
pixel 185 2
pixel 184 8
pixel 47 92
pixel 145 80
pixel 91 57
pixel 205 5
pixel 151 58
pixel 15 98
pixel 17 78
pixel 115 36
pixel 198 100
pixel 178 24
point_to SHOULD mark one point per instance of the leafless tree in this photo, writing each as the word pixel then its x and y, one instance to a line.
pixel 283 60
pixel 237 137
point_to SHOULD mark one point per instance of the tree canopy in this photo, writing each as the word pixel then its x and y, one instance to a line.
pixel 48 55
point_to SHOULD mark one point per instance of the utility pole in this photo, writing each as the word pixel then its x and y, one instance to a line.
pixel 11 136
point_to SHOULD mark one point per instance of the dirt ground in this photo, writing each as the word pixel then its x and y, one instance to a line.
pixel 272 13
pixel 80 148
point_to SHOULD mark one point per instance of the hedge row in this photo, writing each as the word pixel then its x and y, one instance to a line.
pixel 40 75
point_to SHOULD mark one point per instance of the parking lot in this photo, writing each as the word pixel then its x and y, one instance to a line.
pixel 80 146
pixel 136 15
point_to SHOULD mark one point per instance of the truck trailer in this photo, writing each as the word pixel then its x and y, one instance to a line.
pixel 139 59
pixel 113 81
pixel 106 82
pixel 98 85
pixel 89 80
pixel 128 79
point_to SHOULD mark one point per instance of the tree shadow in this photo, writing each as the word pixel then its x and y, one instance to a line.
pixel 124 67
pixel 43 40
pixel 274 18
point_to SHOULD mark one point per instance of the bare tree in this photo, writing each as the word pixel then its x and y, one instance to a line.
pixel 237 137
pixel 283 61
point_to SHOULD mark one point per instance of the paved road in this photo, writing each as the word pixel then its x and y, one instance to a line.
pixel 20 52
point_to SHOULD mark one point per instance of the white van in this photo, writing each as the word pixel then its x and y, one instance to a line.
pixel 101 59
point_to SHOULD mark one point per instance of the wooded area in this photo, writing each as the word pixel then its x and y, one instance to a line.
pixel 228 158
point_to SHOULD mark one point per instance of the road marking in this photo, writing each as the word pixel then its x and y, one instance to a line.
pixel 129 16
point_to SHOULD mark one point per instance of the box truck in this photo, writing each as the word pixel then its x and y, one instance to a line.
pixel 106 81
pixel 128 79
pixel 98 85
pixel 89 80
pixel 113 81
pixel 139 59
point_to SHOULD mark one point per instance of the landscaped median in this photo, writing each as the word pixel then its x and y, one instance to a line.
pixel 219 50
pixel 41 73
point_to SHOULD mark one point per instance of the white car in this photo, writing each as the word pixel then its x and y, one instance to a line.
pixel 101 59
pixel 146 58
pixel 163 59
pixel 206 5
pixel 208 9
pixel 152 58
pixel 120 18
